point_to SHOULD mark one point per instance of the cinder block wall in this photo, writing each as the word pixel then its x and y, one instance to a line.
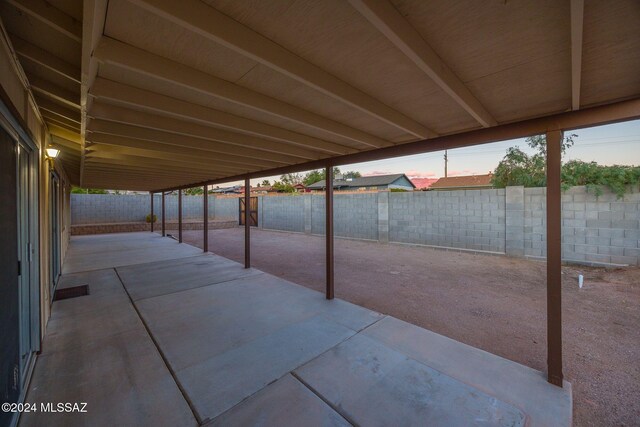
pixel 108 208
pixel 355 216
pixel 283 213
pixel 317 214
pixel 595 229
pixel 225 207
pixel 469 219
pixel 111 208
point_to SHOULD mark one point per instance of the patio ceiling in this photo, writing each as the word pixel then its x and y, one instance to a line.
pixel 47 40
pixel 178 93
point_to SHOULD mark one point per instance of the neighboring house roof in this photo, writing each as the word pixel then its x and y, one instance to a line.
pixel 423 183
pixel 261 188
pixel 463 181
pixel 234 189
pixel 365 181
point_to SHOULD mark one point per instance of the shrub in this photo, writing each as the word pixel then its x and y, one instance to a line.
pixel 148 218
pixel 519 168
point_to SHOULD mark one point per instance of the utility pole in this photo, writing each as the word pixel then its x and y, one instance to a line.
pixel 445 163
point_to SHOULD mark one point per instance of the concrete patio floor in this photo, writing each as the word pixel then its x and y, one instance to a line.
pixel 171 336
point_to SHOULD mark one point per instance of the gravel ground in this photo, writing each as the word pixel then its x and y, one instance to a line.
pixel 490 302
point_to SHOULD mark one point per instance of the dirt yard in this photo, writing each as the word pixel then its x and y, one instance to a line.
pixel 491 302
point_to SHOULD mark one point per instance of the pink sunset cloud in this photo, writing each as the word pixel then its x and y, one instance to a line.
pixel 420 174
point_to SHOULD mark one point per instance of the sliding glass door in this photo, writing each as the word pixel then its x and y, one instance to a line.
pixel 27 287
pixel 19 260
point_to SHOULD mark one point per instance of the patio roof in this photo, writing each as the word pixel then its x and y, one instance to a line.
pixel 158 94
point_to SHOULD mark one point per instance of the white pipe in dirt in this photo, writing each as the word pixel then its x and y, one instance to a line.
pixel 580 280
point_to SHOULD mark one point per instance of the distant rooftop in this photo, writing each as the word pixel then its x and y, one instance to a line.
pixel 365 181
pixel 422 183
pixel 463 181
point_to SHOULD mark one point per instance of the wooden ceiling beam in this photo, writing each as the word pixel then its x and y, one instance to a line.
pixel 386 19
pixel 232 154
pixel 577 22
pixel 94 14
pixel 136 186
pixel 205 20
pixel 228 142
pixel 99 180
pixel 55 122
pixel 119 171
pixel 51 90
pixel 174 165
pixel 154 66
pixel 57 109
pixel 101 139
pixel 115 167
pixel 203 162
pixel 45 59
pixel 167 106
pixel 47 115
pixel 104 165
pixel 51 16
pixel 63 133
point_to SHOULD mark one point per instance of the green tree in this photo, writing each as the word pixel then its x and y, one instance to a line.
pixel 352 174
pixel 292 178
pixel 283 187
pixel 520 168
pixel 194 191
pixel 265 183
pixel 314 176
pixel 594 176
pixel 78 190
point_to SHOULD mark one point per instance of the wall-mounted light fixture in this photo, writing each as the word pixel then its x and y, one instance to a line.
pixel 51 154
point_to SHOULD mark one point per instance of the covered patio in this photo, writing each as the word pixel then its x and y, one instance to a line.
pixel 169 335
pixel 164 96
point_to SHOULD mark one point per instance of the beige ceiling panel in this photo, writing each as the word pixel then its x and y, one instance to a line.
pixel 271 83
pixel 519 92
pixel 39 34
pixel 113 72
pixel 34 70
pixel 35 56
pixel 333 35
pixel 54 122
pixel 118 74
pixel 611 51
pixel 169 40
pixel 57 108
pixel 364 58
pixel 277 121
pixel 72 8
pixel 136 99
pixel 479 38
pixel 50 117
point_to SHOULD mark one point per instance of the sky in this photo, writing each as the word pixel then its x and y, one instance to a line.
pixel 607 145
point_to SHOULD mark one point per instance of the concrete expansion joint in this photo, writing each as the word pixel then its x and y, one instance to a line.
pixel 336 408
pixel 160 352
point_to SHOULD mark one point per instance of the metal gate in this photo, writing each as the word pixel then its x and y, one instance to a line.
pixel 253 211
